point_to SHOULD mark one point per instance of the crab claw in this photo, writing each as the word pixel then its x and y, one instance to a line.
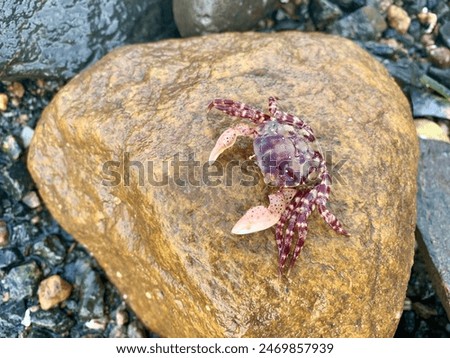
pixel 255 219
pixel 225 141
pixel 260 218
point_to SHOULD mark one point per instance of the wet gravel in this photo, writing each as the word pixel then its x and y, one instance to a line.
pixel 34 247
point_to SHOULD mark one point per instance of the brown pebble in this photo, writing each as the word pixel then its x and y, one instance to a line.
pixel 427 18
pixel 4 234
pixel 35 220
pixel 427 40
pixel 440 56
pixel 22 119
pixel 31 200
pixel 3 102
pixel 52 291
pixel 17 89
pixel 40 83
pixel 5 297
pixel 398 19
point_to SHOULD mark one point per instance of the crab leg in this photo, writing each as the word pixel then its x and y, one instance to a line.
pixel 323 192
pixel 260 217
pixel 228 138
pixel 304 204
pixel 238 109
pixel 273 106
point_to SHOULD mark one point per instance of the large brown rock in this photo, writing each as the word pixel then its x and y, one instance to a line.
pixel 169 248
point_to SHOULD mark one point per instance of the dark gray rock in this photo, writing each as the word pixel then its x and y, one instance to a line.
pixel 349 4
pixel 405 71
pixel 91 296
pixel 51 249
pixel 88 288
pixel 433 201
pixel 428 105
pixel 440 74
pixel 324 12
pixel 198 17
pixel 9 256
pixel 54 320
pixel 22 281
pixel 444 33
pixel 56 39
pixel 364 24
pixel 11 314
pixel 414 6
pixel 16 180
pixel 379 49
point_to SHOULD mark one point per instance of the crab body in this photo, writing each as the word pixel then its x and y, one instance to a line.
pixel 287 153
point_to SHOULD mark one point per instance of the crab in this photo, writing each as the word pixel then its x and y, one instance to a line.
pixel 288 155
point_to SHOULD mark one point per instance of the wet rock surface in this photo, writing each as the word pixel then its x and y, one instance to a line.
pixel 201 282
pixel 199 17
pixel 51 39
pixel 433 203
pixel 364 24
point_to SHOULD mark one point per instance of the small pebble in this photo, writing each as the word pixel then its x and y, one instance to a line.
pixel 52 291
pixel 407 305
pixel 427 18
pixel 31 200
pixel 429 130
pixel 4 234
pixel 96 324
pixel 398 19
pixel 121 317
pixel 3 102
pixel 384 5
pixel 440 56
pixel 22 119
pixel 136 330
pixel 26 135
pixel 26 318
pixel 11 147
pixel 17 89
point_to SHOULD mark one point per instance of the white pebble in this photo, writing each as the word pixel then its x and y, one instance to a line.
pixel 26 135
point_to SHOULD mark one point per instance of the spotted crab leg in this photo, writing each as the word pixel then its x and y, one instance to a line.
pixel 303 205
pixel 323 192
pixel 238 109
pixel 260 217
pixel 228 138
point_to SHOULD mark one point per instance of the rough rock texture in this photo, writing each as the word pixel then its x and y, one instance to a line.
pixel 169 249
pixel 41 39
pixel 433 201
pixel 198 17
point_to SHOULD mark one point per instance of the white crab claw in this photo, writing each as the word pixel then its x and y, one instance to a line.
pixel 225 141
pixel 255 219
